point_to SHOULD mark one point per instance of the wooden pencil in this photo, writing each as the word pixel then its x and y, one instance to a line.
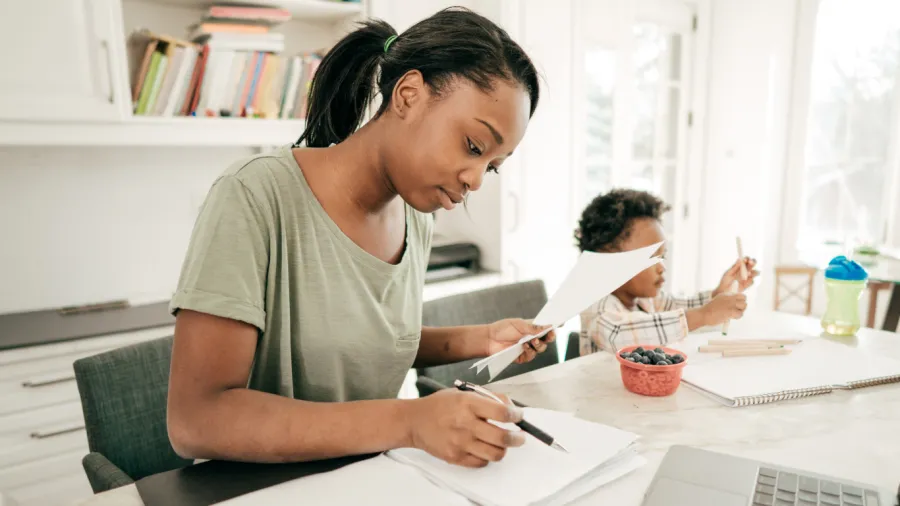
pixel 753 352
pixel 748 342
pixel 718 348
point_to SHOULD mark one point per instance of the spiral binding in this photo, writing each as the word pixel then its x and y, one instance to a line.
pixel 884 380
pixel 781 396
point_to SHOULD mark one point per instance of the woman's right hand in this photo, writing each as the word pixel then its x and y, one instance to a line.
pixel 453 426
pixel 726 306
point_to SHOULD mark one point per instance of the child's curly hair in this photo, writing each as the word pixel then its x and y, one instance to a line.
pixel 606 221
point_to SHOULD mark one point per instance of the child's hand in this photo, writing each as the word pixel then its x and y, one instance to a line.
pixel 733 274
pixel 727 306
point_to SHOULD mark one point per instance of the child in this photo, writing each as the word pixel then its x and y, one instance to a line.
pixel 639 312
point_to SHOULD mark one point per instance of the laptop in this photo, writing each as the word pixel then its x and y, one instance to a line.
pixel 690 476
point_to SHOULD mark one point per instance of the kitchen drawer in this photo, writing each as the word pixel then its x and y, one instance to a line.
pixel 80 345
pixel 17 400
pixel 26 446
pixel 43 470
pixel 22 370
pixel 62 491
pixel 37 420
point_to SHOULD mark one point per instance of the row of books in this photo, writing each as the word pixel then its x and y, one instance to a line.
pixel 219 76
pixel 232 65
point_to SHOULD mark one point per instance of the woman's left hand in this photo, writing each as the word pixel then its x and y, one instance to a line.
pixel 505 333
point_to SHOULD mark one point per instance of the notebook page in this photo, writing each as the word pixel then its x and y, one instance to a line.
pixel 534 471
pixel 850 365
pixel 374 482
pixel 735 377
pixel 814 363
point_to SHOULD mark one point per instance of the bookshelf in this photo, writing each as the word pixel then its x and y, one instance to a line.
pixel 94 105
pixel 308 10
pixel 144 131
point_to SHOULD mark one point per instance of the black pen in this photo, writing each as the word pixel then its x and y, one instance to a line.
pixel 524 425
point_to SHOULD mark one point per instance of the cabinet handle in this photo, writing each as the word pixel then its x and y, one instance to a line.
pixel 47 381
pixel 107 57
pixel 515 199
pixel 56 432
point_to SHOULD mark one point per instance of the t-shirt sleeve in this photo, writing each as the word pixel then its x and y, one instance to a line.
pixel 224 270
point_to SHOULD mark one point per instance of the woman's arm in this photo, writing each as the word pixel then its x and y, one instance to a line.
pixel 446 345
pixel 213 415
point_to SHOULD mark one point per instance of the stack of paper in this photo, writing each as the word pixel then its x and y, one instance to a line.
pixel 533 474
pixel 594 276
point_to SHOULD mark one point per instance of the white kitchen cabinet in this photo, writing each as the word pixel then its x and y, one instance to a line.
pixel 42 437
pixel 58 61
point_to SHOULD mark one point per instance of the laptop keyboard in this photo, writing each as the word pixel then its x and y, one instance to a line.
pixel 780 488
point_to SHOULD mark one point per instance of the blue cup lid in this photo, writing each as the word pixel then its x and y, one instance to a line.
pixel 844 269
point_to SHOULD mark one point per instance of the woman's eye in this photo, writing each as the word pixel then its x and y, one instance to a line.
pixel 473 148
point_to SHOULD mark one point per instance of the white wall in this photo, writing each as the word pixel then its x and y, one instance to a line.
pixel 751 53
pixel 84 225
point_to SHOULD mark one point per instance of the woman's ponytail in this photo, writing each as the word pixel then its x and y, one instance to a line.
pixel 343 85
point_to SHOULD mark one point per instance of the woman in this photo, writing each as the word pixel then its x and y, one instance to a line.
pixel 299 305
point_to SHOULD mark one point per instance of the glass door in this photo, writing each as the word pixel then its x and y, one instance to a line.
pixel 632 69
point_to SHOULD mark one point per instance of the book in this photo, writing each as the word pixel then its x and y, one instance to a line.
pixel 533 474
pixel 816 366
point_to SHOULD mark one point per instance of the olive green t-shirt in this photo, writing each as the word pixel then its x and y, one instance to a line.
pixel 335 323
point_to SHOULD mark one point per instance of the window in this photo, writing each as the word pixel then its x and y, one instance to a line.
pixel 851 131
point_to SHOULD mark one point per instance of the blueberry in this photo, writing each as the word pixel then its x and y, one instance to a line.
pixel 645 360
pixel 623 355
pixel 659 350
pixel 677 359
pixel 630 358
pixel 665 362
pixel 639 350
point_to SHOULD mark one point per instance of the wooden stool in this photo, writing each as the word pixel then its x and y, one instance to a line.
pixel 874 287
pixel 799 270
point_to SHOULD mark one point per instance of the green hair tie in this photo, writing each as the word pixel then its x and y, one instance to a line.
pixel 388 42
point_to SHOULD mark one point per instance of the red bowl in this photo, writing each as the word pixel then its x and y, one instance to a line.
pixel 651 380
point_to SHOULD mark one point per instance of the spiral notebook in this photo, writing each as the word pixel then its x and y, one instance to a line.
pixel 814 367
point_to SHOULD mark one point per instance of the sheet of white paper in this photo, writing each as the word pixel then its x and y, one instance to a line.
pixel 376 481
pixel 533 472
pixel 518 346
pixel 594 276
pixel 628 462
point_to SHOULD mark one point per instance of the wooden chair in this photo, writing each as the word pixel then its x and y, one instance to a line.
pixel 793 290
pixel 874 288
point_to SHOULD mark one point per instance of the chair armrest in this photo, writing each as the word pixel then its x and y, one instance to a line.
pixel 103 474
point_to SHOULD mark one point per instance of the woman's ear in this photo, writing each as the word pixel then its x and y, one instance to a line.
pixel 409 93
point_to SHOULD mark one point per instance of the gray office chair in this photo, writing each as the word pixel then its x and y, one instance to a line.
pixel 572 350
pixel 517 300
pixel 123 397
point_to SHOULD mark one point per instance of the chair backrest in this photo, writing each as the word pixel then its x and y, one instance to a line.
pixel 516 300
pixel 786 290
pixel 572 347
pixel 123 396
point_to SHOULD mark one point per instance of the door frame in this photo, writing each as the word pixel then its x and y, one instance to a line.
pixel 687 207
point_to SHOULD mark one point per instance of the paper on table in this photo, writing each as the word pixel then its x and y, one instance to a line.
pixel 535 473
pixel 374 481
pixel 594 276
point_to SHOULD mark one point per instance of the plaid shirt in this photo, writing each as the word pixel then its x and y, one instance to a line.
pixel 608 324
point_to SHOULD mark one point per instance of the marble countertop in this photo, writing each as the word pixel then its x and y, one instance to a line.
pixel 852 434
